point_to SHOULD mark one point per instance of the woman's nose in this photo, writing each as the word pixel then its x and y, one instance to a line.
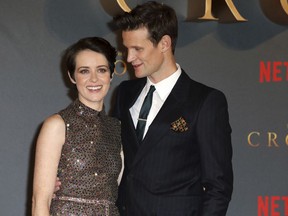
pixel 93 76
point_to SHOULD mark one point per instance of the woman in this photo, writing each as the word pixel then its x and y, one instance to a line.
pixel 80 144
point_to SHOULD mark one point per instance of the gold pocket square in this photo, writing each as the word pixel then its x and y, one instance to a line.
pixel 179 125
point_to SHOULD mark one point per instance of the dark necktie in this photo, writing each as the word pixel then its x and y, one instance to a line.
pixel 144 113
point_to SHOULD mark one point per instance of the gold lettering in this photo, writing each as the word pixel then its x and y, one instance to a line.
pixel 276 11
pixel 249 139
pixel 254 139
pixel 197 6
pixel 284 4
pixel 234 11
pixel 208 11
pixel 123 5
pixel 272 139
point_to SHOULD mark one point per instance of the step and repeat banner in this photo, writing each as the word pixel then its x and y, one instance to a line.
pixel 239 47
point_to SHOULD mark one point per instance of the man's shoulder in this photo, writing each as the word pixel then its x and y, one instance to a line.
pixel 192 82
pixel 199 87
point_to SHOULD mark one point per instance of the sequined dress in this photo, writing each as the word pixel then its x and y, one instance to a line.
pixel 89 165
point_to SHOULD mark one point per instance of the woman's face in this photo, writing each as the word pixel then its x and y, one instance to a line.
pixel 92 78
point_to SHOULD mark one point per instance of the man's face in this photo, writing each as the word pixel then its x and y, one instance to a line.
pixel 146 59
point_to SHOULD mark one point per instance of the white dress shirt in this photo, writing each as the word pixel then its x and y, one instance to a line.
pixel 162 90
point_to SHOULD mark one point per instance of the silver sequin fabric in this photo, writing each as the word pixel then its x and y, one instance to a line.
pixel 89 165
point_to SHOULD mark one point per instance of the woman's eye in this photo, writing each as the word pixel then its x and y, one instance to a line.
pixel 102 70
pixel 84 71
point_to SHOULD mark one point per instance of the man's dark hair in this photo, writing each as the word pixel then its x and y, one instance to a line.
pixel 158 18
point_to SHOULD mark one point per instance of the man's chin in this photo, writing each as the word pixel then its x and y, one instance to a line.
pixel 139 74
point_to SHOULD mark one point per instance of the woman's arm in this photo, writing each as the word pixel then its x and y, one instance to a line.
pixel 48 151
pixel 122 169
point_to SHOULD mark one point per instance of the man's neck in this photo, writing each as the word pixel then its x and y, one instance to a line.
pixel 164 72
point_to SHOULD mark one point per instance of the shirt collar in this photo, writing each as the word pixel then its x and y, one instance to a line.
pixel 164 87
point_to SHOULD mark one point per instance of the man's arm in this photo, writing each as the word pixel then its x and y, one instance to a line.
pixel 214 133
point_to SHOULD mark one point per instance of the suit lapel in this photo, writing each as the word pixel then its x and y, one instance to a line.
pixel 134 91
pixel 131 96
pixel 167 114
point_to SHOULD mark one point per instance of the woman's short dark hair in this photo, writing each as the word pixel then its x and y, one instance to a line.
pixel 95 44
pixel 158 18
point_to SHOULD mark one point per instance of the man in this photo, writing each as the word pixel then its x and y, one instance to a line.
pixel 181 166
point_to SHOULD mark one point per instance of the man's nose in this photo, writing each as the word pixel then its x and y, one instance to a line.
pixel 130 56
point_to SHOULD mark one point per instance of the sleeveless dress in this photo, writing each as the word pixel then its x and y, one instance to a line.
pixel 89 165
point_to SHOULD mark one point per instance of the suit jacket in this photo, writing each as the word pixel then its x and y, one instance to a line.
pixel 177 173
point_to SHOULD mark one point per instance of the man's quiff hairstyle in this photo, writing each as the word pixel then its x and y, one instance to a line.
pixel 158 18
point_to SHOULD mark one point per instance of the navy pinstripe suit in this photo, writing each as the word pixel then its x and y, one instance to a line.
pixel 174 173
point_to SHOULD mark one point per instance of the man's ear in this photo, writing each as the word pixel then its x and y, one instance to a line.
pixel 165 43
pixel 71 79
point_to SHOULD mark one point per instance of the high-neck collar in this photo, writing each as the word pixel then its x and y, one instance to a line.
pixel 84 110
